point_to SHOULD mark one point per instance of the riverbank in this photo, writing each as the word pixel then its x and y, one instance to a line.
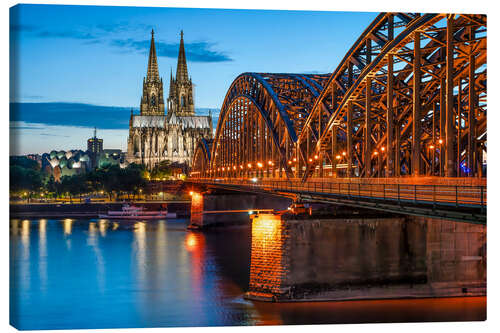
pixel 91 210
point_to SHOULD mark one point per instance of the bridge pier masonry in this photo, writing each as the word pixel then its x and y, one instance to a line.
pixel 308 258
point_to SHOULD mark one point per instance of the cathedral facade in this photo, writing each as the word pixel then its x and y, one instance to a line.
pixel 155 136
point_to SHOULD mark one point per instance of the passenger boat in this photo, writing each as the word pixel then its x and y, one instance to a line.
pixel 133 213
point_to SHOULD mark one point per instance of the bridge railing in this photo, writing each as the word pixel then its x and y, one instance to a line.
pixel 450 195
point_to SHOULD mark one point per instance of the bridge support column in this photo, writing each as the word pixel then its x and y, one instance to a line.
pixel 230 208
pixel 306 258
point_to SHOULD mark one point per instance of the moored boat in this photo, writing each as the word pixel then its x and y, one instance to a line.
pixel 133 212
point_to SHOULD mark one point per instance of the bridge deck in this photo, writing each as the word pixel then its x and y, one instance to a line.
pixel 463 202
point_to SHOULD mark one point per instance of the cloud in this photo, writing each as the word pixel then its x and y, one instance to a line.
pixel 22 28
pixel 76 114
pixel 44 33
pixel 202 51
pixel 48 134
pixel 65 34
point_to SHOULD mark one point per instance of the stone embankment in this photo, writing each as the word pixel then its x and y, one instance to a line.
pixel 90 210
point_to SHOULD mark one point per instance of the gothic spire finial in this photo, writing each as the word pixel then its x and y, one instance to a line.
pixel 152 32
pixel 152 73
pixel 182 73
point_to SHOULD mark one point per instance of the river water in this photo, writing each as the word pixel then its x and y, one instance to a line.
pixel 101 274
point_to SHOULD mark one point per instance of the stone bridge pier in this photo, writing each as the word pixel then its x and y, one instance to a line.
pixel 218 208
pixel 306 258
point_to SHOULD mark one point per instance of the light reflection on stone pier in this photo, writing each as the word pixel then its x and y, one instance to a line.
pixel 308 258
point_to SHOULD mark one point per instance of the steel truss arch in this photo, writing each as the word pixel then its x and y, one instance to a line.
pixel 265 108
pixel 369 125
pixel 201 158
pixel 408 99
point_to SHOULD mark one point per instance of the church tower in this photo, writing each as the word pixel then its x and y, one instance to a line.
pixel 180 99
pixel 152 86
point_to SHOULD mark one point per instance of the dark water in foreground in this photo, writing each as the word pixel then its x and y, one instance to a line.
pixel 100 274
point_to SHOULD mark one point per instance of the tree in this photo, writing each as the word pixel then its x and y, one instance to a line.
pixel 25 180
pixel 74 185
pixel 162 170
pixel 132 179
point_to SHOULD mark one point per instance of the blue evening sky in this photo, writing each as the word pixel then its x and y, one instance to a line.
pixel 98 55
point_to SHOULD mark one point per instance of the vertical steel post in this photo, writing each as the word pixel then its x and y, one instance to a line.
pixel 390 117
pixel 450 117
pixel 416 144
pixel 349 139
pixel 368 127
pixel 472 147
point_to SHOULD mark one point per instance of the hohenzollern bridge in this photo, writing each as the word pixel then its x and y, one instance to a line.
pixel 400 125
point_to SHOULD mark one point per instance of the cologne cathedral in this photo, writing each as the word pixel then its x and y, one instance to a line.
pixel 154 136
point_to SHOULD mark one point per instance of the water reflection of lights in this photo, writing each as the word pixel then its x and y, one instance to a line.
pixel 103 225
pixel 115 225
pixel 100 264
pixel 140 240
pixel 191 242
pixel 14 226
pixel 25 235
pixel 67 224
pixel 42 253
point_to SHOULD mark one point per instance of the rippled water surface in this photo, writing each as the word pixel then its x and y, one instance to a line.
pixel 103 274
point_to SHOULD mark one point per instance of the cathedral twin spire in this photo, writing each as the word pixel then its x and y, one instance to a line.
pixel 180 100
pixel 152 73
pixel 182 73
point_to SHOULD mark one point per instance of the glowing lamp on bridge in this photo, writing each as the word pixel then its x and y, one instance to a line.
pixel 337 157
pixel 241 166
pixel 440 141
pixel 344 153
pixel 289 162
pixel 295 159
pixel 249 165
pixel 310 160
pixel 234 167
pixel 191 193
pixel 259 164
pixel 315 157
pixel 254 180
pixel 375 152
pixel 431 147
pixel 382 149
